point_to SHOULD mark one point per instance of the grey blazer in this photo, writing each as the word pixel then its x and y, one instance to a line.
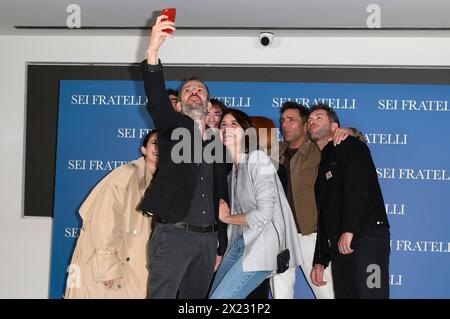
pixel 271 226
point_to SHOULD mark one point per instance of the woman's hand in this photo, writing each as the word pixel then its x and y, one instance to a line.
pixel 224 211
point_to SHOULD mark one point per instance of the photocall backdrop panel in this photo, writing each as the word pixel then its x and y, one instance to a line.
pixel 101 125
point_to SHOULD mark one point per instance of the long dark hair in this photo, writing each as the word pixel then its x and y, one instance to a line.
pixel 147 137
pixel 244 121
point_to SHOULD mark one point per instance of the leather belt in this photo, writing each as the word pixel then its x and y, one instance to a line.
pixel 192 227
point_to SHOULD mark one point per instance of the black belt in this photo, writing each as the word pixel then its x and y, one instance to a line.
pixel 192 227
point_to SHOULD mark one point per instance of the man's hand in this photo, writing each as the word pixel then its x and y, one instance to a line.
pixel 317 275
pixel 157 38
pixel 344 243
pixel 224 211
pixel 218 262
pixel 340 135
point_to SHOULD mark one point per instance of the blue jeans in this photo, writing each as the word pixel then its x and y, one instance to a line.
pixel 231 282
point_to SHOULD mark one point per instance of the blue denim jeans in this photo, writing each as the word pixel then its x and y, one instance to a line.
pixel 231 282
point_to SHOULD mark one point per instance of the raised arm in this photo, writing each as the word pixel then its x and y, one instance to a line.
pixel 343 132
pixel 158 37
pixel 159 105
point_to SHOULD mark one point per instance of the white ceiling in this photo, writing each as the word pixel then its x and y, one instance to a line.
pixel 227 14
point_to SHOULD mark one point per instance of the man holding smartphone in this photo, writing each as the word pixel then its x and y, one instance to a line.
pixel 188 240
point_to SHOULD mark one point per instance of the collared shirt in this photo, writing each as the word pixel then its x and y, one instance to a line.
pixel 288 153
pixel 201 210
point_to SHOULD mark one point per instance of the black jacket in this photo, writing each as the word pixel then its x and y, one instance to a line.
pixel 172 188
pixel 348 196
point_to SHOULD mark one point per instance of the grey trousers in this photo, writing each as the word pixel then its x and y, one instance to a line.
pixel 181 262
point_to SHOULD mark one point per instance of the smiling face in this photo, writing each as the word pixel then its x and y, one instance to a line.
pixel 212 117
pixel 150 151
pixel 232 133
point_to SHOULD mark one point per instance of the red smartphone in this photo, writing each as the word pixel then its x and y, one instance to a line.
pixel 171 13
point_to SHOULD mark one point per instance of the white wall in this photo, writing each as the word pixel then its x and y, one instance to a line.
pixel 25 242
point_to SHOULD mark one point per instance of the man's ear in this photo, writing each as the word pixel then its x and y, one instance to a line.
pixel 334 127
pixel 143 150
pixel 209 105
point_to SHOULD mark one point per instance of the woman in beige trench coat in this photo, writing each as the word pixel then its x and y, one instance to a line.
pixel 110 257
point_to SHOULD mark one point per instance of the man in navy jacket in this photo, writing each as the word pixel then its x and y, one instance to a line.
pixel 353 227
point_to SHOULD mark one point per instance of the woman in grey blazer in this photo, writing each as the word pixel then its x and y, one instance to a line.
pixel 260 221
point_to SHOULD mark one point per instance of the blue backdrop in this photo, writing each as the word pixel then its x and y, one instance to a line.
pixel 101 125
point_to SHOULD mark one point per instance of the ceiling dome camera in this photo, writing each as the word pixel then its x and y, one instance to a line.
pixel 266 38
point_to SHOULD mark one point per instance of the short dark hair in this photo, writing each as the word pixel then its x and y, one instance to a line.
pixel 303 111
pixel 194 78
pixel 147 137
pixel 330 112
pixel 218 104
pixel 172 92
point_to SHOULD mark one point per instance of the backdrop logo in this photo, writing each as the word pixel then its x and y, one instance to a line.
pixel 396 280
pixel 93 165
pixel 103 113
pixel 335 103
pixel 395 209
pixel 420 246
pixel 413 105
pixel 131 132
pixel 71 232
pixel 235 101
pixel 386 138
pixel 425 174
pixel 108 100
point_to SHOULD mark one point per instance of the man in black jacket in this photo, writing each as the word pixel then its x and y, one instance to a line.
pixel 188 240
pixel 353 226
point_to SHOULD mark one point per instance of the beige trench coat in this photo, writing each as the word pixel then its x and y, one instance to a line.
pixel 113 240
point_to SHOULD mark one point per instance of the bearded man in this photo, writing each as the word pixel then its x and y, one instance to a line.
pixel 188 240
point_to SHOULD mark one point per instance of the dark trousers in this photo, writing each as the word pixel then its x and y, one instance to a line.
pixel 363 274
pixel 180 261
